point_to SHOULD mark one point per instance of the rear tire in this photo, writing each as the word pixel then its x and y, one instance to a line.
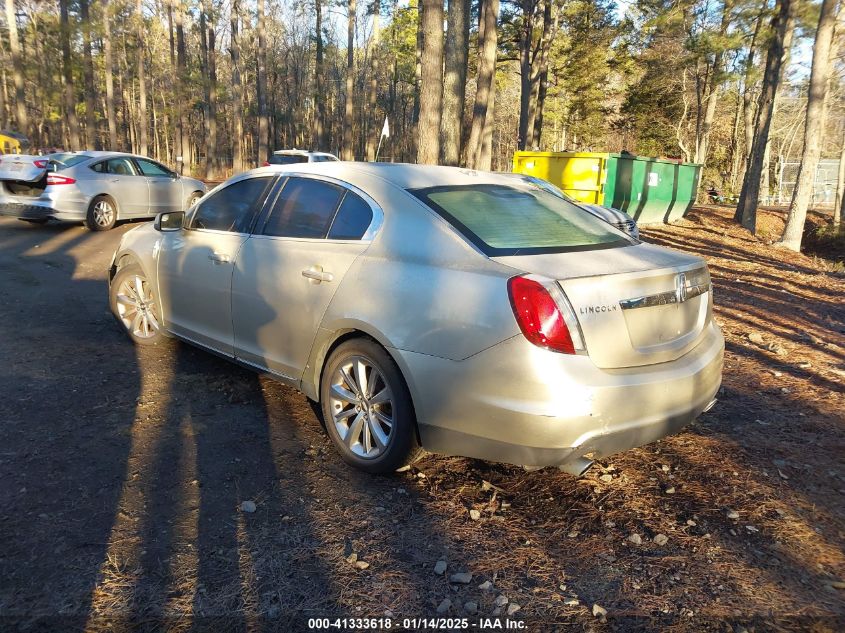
pixel 102 214
pixel 135 306
pixel 373 425
pixel 193 199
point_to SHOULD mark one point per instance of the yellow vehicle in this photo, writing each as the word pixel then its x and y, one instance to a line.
pixel 12 142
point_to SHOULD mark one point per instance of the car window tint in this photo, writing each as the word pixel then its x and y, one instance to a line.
pixel 352 220
pixel 63 160
pixel 121 167
pixel 304 208
pixel 100 168
pixel 233 207
pixel 149 168
pixel 287 159
pixel 509 220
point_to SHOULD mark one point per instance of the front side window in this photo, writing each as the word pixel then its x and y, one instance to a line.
pixel 233 207
pixel 149 168
pixel 519 220
pixel 305 208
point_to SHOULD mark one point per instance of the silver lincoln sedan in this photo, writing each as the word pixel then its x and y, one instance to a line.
pixel 97 188
pixel 457 311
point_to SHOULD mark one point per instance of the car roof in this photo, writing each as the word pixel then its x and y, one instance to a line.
pixel 402 175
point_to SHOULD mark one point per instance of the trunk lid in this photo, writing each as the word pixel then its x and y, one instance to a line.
pixel 637 305
pixel 23 167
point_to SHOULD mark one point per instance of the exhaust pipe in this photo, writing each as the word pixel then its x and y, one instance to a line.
pixel 576 467
pixel 710 405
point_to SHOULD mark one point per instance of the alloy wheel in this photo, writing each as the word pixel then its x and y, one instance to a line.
pixel 136 307
pixel 104 213
pixel 361 404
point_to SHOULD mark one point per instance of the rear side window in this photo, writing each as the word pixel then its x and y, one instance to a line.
pixel 304 208
pixel 65 160
pixel 523 220
pixel 352 220
pixel 233 207
pixel 287 159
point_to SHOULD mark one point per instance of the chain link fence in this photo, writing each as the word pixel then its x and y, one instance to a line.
pixel 824 191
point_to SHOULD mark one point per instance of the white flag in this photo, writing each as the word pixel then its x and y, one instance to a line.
pixel 385 130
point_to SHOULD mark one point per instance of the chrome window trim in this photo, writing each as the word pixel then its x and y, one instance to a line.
pixel 372 229
pixel 225 185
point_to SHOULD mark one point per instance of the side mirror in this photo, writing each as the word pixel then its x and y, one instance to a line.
pixel 171 221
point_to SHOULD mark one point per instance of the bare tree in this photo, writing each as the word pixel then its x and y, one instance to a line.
pixel 783 25
pixel 823 60
pixel 17 68
pixel 91 139
pixel 142 80
pixel 482 112
pixel 263 126
pixel 237 90
pixel 181 81
pixel 431 82
pixel 319 81
pixel 704 124
pixel 348 152
pixel 454 80
pixel 69 100
pixel 370 116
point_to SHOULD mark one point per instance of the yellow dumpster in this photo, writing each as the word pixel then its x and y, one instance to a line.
pixel 581 175
pixel 12 142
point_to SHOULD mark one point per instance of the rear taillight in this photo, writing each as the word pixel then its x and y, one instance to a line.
pixel 56 179
pixel 41 164
pixel 544 315
pixel 265 163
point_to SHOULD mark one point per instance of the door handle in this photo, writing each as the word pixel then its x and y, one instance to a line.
pixel 219 258
pixel 316 274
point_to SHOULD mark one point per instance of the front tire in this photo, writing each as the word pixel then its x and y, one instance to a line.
pixel 367 408
pixel 102 214
pixel 135 306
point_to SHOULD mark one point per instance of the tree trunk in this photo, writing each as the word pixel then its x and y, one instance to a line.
pixel 526 45
pixel 91 139
pixel 69 100
pixel 415 116
pixel 839 203
pixel 181 93
pixel 823 61
pixel 373 135
pixel 454 80
pixel 540 78
pixel 142 82
pixel 262 87
pixel 431 83
pixel 319 80
pixel 485 86
pixel 783 24
pixel 208 40
pixel 705 126
pixel 237 91
pixel 21 118
pixel 348 152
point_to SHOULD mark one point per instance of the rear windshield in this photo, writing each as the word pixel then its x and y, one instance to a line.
pixel 520 220
pixel 63 161
pixel 287 159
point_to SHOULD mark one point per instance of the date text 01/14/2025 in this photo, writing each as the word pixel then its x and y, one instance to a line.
pixel 414 624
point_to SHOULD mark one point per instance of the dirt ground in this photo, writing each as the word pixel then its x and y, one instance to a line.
pixel 123 471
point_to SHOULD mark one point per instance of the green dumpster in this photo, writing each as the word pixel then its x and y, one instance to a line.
pixel 651 190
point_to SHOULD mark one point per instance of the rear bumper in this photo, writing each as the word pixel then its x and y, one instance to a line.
pixel 40 209
pixel 520 404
